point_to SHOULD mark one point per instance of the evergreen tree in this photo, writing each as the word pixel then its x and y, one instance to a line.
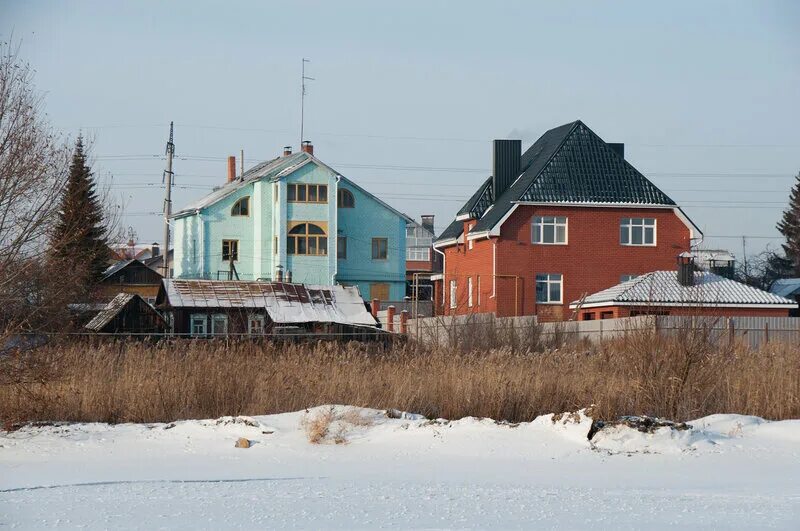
pixel 79 240
pixel 789 226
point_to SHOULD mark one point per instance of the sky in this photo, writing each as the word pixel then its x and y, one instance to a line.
pixel 407 96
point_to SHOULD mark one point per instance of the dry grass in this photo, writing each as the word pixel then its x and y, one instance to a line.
pixel 643 374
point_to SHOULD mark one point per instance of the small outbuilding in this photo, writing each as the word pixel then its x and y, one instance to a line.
pixel 208 308
pixel 127 314
pixel 682 292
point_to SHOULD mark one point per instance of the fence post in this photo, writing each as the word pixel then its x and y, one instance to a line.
pixel 376 303
pixel 404 322
pixel 390 318
pixel 731 331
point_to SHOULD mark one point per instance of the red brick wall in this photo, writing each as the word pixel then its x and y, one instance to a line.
pixel 592 260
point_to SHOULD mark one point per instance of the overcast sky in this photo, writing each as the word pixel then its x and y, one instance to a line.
pixel 407 96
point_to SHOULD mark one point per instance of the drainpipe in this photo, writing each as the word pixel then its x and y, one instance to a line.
pixel 335 228
pixel 202 245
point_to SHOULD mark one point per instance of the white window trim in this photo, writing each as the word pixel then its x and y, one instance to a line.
pixel 548 282
pixel 469 292
pixel 453 294
pixel 255 317
pixel 555 232
pixel 221 317
pixel 198 316
pixel 655 234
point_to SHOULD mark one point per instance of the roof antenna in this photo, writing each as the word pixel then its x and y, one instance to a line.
pixel 303 79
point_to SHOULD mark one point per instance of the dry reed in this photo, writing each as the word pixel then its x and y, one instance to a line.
pixel 133 381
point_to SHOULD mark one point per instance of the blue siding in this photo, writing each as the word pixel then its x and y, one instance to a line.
pixel 198 237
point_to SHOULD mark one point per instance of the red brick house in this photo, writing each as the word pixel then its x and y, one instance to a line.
pixel 682 292
pixel 421 261
pixel 567 218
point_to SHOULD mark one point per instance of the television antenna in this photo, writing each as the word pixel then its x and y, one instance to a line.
pixel 303 79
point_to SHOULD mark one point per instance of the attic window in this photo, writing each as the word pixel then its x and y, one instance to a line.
pixel 346 199
pixel 241 207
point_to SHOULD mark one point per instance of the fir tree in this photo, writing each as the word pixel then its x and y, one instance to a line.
pixel 789 226
pixel 79 240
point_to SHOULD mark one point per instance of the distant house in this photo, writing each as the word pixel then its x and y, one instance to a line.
pixel 717 261
pixel 681 292
pixel 293 217
pixel 209 308
pixel 422 262
pixel 127 313
pixel 789 288
pixel 569 216
pixel 130 276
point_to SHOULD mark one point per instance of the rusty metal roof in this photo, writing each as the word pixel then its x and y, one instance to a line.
pixel 107 314
pixel 283 302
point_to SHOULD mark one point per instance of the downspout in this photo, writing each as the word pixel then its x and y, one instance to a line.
pixel 202 245
pixel 336 233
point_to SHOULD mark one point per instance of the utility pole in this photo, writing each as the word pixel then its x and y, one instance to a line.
pixel 744 257
pixel 303 79
pixel 241 162
pixel 168 199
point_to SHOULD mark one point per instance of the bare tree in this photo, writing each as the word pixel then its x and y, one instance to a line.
pixel 33 164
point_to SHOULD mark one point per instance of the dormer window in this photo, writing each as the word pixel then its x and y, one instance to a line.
pixel 241 207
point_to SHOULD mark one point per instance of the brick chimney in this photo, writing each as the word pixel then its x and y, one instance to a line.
pixel 287 150
pixel 231 168
pixel 307 147
pixel 686 269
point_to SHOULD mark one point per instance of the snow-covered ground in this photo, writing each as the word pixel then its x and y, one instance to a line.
pixel 729 471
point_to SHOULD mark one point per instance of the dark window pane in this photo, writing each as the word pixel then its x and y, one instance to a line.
pixel 323 245
pixel 299 229
pixel 301 245
pixel 314 229
pixel 291 192
pixel 290 245
pixel 301 193
pixel 323 193
pixel 312 246
pixel 341 247
pixel 623 235
pixel 312 193
pixel 636 235
pixel 549 234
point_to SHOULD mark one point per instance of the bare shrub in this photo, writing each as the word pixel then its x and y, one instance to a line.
pixel 317 425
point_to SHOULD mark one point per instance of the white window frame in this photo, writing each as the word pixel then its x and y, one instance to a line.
pixel 453 294
pixel 255 317
pixel 549 279
pixel 418 254
pixel 630 224
pixel 540 222
pixel 469 292
pixel 625 278
pixel 219 317
pixel 199 317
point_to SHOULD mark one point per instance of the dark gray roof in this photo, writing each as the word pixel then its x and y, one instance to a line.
pixel 480 200
pixel 452 231
pixel 571 164
pixel 118 266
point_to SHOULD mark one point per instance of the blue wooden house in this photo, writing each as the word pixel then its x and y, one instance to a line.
pixel 296 217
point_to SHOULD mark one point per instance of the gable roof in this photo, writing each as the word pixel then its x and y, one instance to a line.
pixel 284 303
pixel 661 288
pixel 113 308
pixel 786 287
pixel 567 164
pixel 272 170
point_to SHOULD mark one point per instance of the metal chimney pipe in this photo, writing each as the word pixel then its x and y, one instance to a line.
pixel 287 150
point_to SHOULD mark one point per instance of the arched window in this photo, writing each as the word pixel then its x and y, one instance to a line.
pixel 307 238
pixel 346 199
pixel 241 207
